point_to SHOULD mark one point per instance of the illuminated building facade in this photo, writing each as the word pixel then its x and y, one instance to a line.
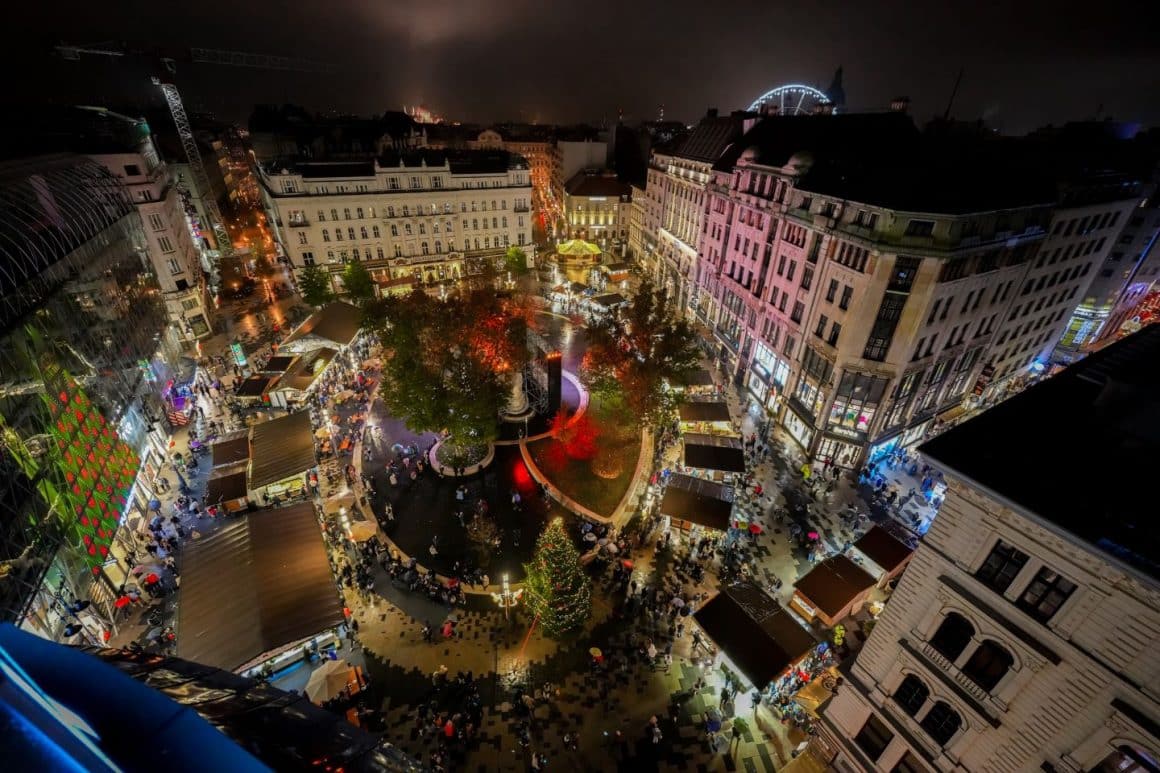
pixel 426 215
pixel 83 358
pixel 1131 270
pixel 863 312
pixel 597 208
pixel 1019 637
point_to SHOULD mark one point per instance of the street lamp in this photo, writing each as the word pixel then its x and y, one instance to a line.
pixel 507 598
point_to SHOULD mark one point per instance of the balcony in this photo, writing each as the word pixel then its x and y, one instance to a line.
pixel 298 221
pixel 521 208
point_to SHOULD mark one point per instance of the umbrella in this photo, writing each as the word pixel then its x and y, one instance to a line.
pixel 322 433
pixel 589 537
pixel 154 504
pixel 595 652
pixel 122 602
pixel 612 548
pixel 142 568
pixel 151 579
pixel 328 681
pixel 626 564
pixel 812 535
pixel 602 541
pixel 361 531
pixel 755 528
pixel 677 602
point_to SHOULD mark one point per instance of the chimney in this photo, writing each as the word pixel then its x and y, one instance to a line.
pixel 900 105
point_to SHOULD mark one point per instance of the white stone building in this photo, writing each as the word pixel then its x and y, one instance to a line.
pixel 1022 635
pixel 427 215
pixel 171 244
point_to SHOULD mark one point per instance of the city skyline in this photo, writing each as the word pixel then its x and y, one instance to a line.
pixel 561 64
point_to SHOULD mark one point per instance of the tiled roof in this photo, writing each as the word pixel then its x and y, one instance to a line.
pixel 586 184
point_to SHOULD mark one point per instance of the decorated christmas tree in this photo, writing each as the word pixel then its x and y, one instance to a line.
pixel 557 591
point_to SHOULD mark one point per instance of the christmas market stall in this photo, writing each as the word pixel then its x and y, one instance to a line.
pixel 336 325
pixel 695 504
pixel 831 591
pixel 887 551
pixel 699 383
pixel 301 377
pixel 755 635
pixel 707 417
pixel 230 449
pixel 253 389
pixel 281 453
pixel 718 456
pixel 258 587
pixel 226 488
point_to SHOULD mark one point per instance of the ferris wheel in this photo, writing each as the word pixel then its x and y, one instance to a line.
pixel 790 99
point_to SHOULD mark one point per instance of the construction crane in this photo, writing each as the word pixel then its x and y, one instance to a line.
pixel 168 64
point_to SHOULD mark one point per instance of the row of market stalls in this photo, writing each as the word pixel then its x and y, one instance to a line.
pixel 269 461
pixel 579 297
pixel 258 590
pixel 287 379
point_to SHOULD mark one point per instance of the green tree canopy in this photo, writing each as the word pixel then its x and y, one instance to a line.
pixel 516 261
pixel 631 358
pixel 556 589
pixel 359 283
pixel 447 363
pixel 314 284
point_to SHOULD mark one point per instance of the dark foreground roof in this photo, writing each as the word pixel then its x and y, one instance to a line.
pixel 261 718
pixel 281 448
pixel 704 411
pixel 714 452
pixel 698 500
pixel 833 583
pixel 1024 451
pixel 585 183
pixel 258 584
pixel 338 322
pixel 755 632
pixel 699 377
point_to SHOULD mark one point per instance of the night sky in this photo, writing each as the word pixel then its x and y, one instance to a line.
pixel 1026 63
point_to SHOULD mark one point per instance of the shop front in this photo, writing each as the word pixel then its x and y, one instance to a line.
pixel 902 441
pixel 798 428
pixel 839 449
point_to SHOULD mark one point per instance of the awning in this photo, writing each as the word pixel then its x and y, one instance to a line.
pixel 609 300
pixel 281 448
pixel 335 324
pixel 699 378
pixel 884 548
pixel 254 386
pixel 704 411
pixel 714 452
pixel 699 501
pixel 259 583
pixel 226 484
pixel 755 632
pixel 833 584
pixel 231 450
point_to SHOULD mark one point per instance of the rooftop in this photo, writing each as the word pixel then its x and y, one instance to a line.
pixel 337 322
pixel 587 183
pixel 461 161
pixel 711 137
pixel 832 584
pixel 1102 412
pixel 281 448
pixel 755 632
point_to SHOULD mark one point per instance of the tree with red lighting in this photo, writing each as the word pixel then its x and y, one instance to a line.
pixel 632 358
pixel 446 363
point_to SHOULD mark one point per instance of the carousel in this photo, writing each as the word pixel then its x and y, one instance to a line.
pixel 578 251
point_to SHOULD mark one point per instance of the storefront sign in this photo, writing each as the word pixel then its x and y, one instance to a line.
pixel 239 355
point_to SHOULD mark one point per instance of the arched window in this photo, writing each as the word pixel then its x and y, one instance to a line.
pixel 941 723
pixel 1128 759
pixel 911 695
pixel 953 636
pixel 988 665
